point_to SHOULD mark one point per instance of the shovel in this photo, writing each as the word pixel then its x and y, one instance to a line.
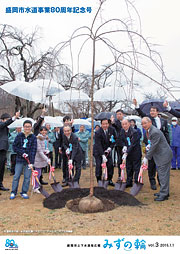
pixel 43 192
pixel 73 184
pixel 121 184
pixel 104 182
pixel 56 185
pixel 138 186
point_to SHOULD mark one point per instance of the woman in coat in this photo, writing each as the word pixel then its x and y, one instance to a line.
pixel 41 159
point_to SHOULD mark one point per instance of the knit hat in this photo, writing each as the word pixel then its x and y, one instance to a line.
pixel 174 119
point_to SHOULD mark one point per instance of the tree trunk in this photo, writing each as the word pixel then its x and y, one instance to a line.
pixel 92 125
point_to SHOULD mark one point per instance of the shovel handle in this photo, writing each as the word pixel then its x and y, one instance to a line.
pixel 53 177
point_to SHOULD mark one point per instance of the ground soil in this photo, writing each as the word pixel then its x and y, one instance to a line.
pixel 30 217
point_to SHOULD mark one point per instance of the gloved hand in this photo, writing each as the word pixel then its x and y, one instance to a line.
pixel 30 166
pixel 46 151
pixel 70 162
pixel 145 161
pixel 67 151
pixel 124 150
pixel 124 156
pixel 25 155
pixel 148 147
pixel 108 150
pixel 104 159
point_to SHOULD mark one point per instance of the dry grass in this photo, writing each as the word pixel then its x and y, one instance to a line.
pixel 29 217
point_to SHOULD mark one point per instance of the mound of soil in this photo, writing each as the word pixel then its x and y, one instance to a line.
pixel 73 205
pixel 109 197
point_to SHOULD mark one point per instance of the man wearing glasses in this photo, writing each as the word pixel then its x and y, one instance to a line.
pixel 25 145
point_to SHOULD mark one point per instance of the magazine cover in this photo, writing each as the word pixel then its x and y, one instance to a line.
pixel 89 126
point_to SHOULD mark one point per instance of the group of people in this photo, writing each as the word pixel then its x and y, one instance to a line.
pixel 33 147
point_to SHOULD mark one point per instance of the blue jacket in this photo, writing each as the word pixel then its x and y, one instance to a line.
pixel 11 139
pixel 84 136
pixel 175 136
pixel 52 139
pixel 30 149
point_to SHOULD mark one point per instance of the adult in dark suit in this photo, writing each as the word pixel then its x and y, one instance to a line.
pixel 39 122
pixel 67 121
pixel 70 141
pixel 56 148
pixel 172 111
pixel 161 152
pixel 116 123
pixel 105 139
pixel 132 151
pixel 162 125
pixel 4 122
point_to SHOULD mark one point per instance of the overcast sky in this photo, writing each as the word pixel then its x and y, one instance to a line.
pixel 159 18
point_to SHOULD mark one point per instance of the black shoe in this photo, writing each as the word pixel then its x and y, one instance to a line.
pixel 157 194
pixel 43 183
pixel 65 184
pixel 173 168
pixel 111 183
pixel 178 168
pixel 3 188
pixel 161 198
pixel 128 185
pixel 153 187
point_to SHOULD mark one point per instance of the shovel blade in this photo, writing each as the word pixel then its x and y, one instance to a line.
pixel 136 189
pixel 56 187
pixel 76 185
pixel 103 184
pixel 118 185
pixel 100 184
pixel 70 184
pixel 43 192
pixel 123 186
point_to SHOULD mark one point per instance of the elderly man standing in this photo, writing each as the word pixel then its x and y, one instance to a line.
pixel 5 121
pixel 162 125
pixel 73 151
pixel 132 151
pixel 161 152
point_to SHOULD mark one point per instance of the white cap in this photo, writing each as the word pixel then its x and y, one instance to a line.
pixel 174 118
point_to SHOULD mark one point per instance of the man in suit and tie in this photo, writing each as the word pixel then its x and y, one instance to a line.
pixel 172 111
pixel 105 139
pixel 67 121
pixel 132 151
pixel 72 148
pixel 5 121
pixel 161 152
pixel 56 148
pixel 116 123
pixel 162 125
